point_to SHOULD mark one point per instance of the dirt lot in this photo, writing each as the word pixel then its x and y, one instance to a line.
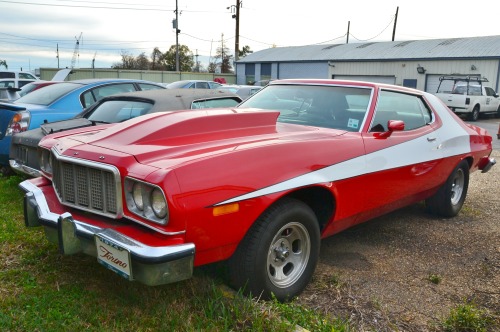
pixel 378 274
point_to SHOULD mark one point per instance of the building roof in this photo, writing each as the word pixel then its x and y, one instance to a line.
pixel 487 47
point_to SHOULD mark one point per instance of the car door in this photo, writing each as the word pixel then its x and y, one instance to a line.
pixel 401 165
pixel 492 100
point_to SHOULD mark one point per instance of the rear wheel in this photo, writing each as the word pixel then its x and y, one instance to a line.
pixel 497 114
pixel 474 116
pixel 279 254
pixel 449 199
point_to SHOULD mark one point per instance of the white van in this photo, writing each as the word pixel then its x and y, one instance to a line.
pixel 15 79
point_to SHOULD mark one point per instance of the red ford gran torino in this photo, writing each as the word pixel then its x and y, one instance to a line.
pixel 257 186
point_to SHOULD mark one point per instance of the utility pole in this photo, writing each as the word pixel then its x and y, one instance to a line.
pixel 348 28
pixel 57 56
pixel 177 31
pixel 237 39
pixel 395 22
pixel 222 56
pixel 236 10
pixel 197 63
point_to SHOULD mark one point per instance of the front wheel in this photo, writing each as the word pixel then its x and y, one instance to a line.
pixel 449 199
pixel 279 254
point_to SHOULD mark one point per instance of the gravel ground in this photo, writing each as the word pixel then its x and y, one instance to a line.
pixel 377 275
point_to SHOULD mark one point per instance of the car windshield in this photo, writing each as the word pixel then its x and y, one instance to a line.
pixel 215 103
pixel 336 107
pixel 118 110
pixel 48 94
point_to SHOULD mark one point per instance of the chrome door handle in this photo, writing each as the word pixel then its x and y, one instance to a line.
pixel 431 139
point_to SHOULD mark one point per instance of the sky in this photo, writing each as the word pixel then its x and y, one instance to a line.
pixel 33 32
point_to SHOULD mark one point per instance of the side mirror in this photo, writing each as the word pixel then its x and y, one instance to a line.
pixel 392 125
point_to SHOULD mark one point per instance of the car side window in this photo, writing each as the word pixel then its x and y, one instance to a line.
pixel 7 75
pixel 202 85
pixel 27 76
pixel 489 91
pixel 96 94
pixel 400 106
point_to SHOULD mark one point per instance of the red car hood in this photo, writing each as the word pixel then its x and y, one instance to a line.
pixel 165 139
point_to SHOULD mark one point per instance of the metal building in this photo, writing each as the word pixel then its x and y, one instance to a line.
pixel 414 63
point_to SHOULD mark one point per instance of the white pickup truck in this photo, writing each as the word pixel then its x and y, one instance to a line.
pixel 468 95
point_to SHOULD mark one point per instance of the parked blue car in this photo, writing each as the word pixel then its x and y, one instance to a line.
pixel 56 102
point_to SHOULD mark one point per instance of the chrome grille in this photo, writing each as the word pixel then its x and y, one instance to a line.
pixel 86 185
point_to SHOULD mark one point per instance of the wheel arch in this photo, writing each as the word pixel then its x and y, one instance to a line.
pixel 321 201
pixel 470 161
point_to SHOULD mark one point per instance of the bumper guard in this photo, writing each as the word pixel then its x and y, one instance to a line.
pixel 148 265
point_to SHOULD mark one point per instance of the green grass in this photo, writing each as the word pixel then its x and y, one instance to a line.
pixel 40 290
pixel 434 278
pixel 467 317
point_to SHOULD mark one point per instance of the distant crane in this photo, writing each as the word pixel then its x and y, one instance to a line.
pixel 93 60
pixel 75 53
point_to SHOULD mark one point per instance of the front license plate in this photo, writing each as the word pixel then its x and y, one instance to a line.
pixel 113 257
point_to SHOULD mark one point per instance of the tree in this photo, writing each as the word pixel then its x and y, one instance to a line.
pixel 156 59
pixel 141 62
pixel 222 54
pixel 127 61
pixel 4 63
pixel 186 61
pixel 212 67
pixel 244 51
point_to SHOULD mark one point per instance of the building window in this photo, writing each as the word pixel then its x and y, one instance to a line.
pixel 265 71
pixel 250 73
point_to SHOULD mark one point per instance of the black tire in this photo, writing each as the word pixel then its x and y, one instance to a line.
pixel 279 254
pixel 450 198
pixel 474 116
pixel 497 114
pixel 6 171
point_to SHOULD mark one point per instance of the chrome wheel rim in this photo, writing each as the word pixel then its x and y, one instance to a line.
pixel 457 186
pixel 288 255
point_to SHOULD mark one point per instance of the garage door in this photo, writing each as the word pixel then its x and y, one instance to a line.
pixel 369 78
pixel 432 82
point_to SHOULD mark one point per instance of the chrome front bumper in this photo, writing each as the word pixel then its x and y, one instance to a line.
pixel 149 265
pixel 23 169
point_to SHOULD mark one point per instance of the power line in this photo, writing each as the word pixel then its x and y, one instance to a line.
pixel 383 30
pixel 161 9
pixel 81 6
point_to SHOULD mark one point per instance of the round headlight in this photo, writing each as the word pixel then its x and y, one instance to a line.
pixel 158 203
pixel 46 161
pixel 137 195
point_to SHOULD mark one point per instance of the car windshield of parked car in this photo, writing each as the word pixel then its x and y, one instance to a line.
pixel 114 111
pixel 48 94
pixel 336 107
pixel 214 103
